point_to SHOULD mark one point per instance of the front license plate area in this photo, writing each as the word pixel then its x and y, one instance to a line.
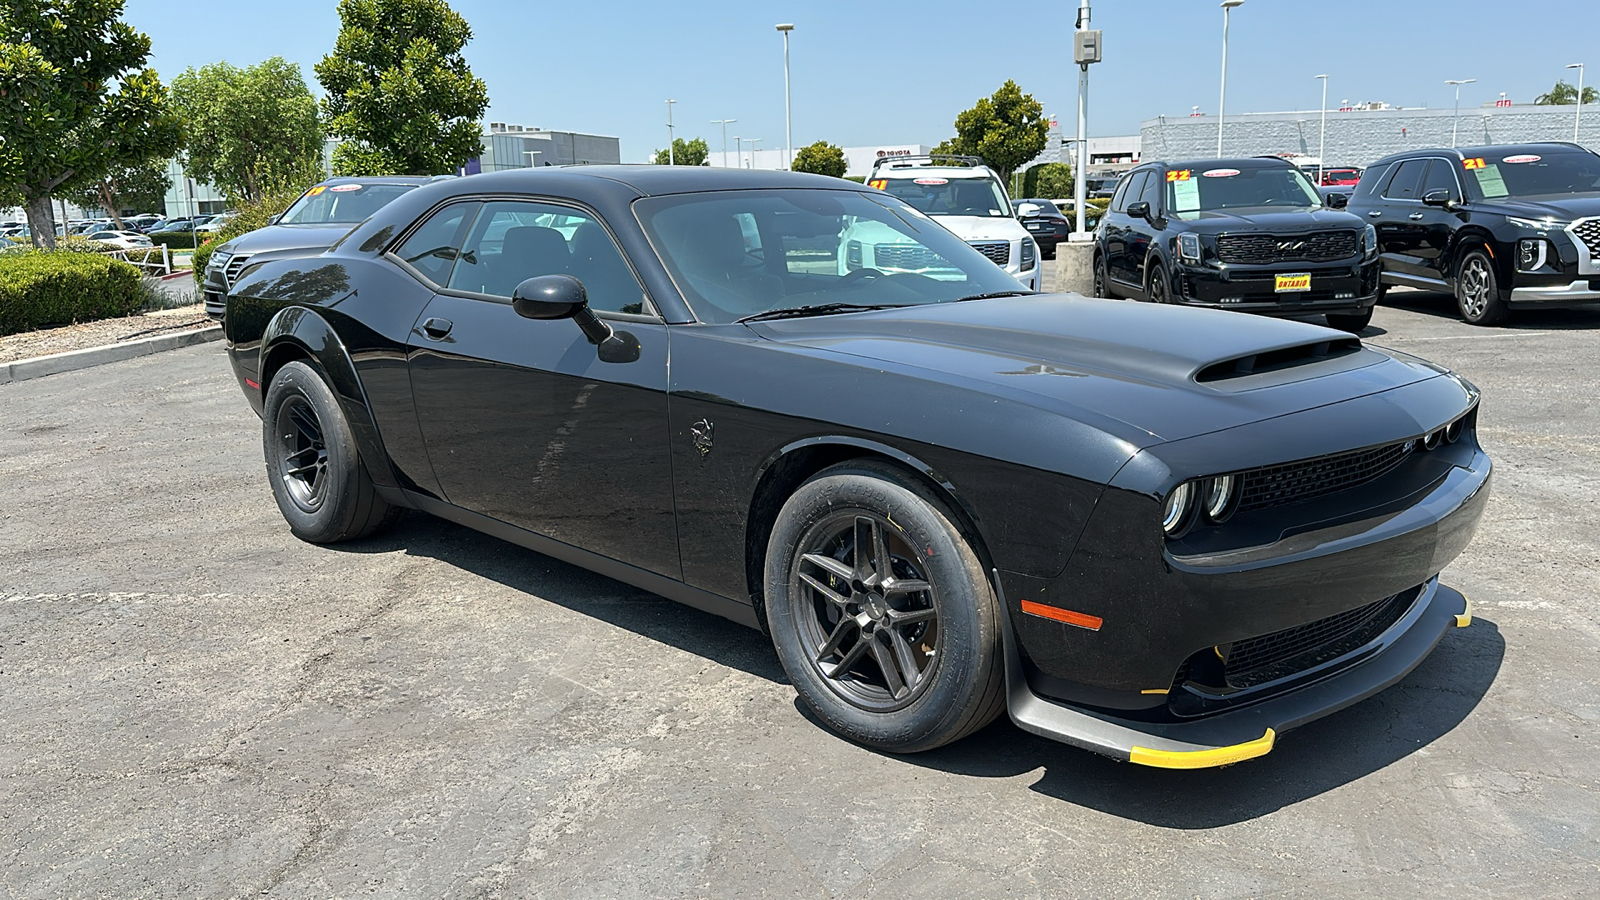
pixel 1297 282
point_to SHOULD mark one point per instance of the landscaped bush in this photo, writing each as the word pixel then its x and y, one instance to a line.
pixel 179 240
pixel 45 288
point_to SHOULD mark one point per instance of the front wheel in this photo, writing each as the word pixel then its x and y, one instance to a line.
pixel 317 476
pixel 1351 322
pixel 1102 278
pixel 880 611
pixel 1477 291
pixel 1158 292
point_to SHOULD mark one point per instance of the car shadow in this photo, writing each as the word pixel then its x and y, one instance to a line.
pixel 1433 303
pixel 1306 762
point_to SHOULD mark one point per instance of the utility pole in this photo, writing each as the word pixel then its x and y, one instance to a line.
pixel 1322 135
pixel 1085 50
pixel 788 136
pixel 670 160
pixel 724 124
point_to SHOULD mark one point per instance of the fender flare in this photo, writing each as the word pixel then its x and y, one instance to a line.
pixel 296 332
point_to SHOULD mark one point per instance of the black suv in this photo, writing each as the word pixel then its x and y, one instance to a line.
pixel 1498 227
pixel 1243 234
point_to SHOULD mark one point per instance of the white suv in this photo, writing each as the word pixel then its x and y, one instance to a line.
pixel 967 198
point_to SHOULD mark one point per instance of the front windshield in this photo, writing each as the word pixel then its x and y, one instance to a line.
pixel 1224 187
pixel 341 203
pixel 940 196
pixel 1533 174
pixel 739 253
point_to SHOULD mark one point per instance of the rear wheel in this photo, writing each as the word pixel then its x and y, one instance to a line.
pixel 880 611
pixel 1102 287
pixel 1352 322
pixel 315 470
pixel 1477 290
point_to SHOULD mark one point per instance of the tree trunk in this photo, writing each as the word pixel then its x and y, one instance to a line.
pixel 109 201
pixel 42 222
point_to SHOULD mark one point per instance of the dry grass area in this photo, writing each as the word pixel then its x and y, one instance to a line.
pixel 47 341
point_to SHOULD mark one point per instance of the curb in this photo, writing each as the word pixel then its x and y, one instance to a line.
pixel 72 360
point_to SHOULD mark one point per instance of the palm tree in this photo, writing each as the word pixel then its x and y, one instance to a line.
pixel 1564 94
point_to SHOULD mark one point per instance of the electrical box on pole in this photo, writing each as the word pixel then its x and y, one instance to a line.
pixel 1085 47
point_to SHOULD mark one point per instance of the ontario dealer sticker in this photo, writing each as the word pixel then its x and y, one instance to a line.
pixel 341 188
pixel 1220 173
pixel 1523 158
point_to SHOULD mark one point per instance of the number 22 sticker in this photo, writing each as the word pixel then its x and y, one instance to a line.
pixel 1178 175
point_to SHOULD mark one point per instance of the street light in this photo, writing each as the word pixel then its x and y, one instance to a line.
pixel 1577 114
pixel 1322 138
pixel 753 143
pixel 724 124
pixel 788 136
pixel 670 160
pixel 1222 101
pixel 1456 117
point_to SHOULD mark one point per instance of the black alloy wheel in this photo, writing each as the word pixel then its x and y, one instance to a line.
pixel 314 467
pixel 881 612
pixel 1158 284
pixel 1477 290
pixel 1101 278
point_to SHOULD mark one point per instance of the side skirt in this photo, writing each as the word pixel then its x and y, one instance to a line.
pixel 703 600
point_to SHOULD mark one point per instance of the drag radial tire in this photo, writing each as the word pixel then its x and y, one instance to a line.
pixel 1478 291
pixel 315 470
pixel 880 611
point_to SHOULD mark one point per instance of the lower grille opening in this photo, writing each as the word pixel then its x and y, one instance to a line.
pixel 1258 660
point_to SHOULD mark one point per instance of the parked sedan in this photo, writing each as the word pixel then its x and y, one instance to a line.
pixel 120 240
pixel 1163 534
pixel 1044 222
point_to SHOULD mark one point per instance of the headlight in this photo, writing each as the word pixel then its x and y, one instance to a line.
pixel 1189 246
pixel 1370 242
pixel 219 259
pixel 1028 254
pixel 1536 224
pixel 1180 510
pixel 1531 254
pixel 1222 496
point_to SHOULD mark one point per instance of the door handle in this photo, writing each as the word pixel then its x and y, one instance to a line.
pixel 1373 214
pixel 437 328
pixel 1415 215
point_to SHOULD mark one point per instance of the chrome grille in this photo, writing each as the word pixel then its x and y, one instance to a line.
pixel 907 257
pixel 999 252
pixel 1306 479
pixel 1587 233
pixel 1261 249
pixel 1280 654
pixel 230 273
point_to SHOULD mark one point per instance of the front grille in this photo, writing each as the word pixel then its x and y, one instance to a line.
pixel 1262 249
pixel 902 257
pixel 215 305
pixel 999 252
pixel 1588 231
pixel 230 273
pixel 1309 478
pixel 1259 660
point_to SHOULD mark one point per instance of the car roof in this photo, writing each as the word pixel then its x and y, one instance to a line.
pixel 1486 150
pixel 382 179
pixel 1241 162
pixel 649 180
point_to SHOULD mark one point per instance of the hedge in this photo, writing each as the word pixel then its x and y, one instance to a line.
pixel 42 288
pixel 180 240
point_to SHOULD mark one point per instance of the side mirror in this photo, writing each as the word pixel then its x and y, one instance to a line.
pixel 1438 197
pixel 1140 210
pixel 1338 201
pixel 1026 210
pixel 564 297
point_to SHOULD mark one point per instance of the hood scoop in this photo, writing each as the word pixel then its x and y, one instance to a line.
pixel 1279 360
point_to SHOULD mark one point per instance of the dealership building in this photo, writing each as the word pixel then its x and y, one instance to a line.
pixel 1358 136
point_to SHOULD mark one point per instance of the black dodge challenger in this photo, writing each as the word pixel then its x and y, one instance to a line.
pixel 1163 534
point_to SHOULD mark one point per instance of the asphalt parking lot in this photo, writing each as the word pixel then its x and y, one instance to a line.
pixel 195 704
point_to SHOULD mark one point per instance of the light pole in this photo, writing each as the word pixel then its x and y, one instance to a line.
pixel 738 151
pixel 1455 118
pixel 724 124
pixel 1085 51
pixel 1322 137
pixel 1577 114
pixel 788 135
pixel 753 143
pixel 670 160
pixel 1222 100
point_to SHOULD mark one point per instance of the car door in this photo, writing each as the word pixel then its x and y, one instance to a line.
pixel 1142 232
pixel 1437 224
pixel 522 420
pixel 1398 216
pixel 1119 230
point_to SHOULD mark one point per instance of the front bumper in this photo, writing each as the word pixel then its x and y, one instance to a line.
pixel 1249 731
pixel 1580 291
pixel 1348 287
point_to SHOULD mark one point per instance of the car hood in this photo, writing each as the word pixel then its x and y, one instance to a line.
pixel 1564 207
pixel 983 228
pixel 1272 220
pixel 275 238
pixel 1128 368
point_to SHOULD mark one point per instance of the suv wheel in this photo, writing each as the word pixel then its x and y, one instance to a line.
pixel 1477 291
pixel 1158 292
pixel 1102 287
pixel 1354 323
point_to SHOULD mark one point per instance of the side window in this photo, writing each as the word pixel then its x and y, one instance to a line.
pixel 433 248
pixel 1129 191
pixel 1403 186
pixel 514 240
pixel 1119 198
pixel 1151 194
pixel 1441 177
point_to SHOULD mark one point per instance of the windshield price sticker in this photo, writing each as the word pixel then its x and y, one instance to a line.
pixel 930 181
pixel 881 184
pixel 1524 158
pixel 315 191
pixel 1474 163
pixel 341 188
pixel 1220 173
pixel 1179 174
pixel 1186 196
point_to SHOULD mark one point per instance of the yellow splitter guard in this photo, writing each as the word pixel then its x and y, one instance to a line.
pixel 1298 281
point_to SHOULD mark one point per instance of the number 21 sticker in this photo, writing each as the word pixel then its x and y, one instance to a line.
pixel 1474 163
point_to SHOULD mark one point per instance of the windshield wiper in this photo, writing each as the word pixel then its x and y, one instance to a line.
pixel 821 309
pixel 993 294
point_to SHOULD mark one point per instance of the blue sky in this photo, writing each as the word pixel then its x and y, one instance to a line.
pixel 867 73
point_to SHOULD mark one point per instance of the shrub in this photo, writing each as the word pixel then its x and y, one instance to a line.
pixel 250 217
pixel 179 240
pixel 46 288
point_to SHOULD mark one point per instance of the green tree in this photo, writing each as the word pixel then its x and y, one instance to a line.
pixel 1564 94
pixel 1047 181
pixel 140 187
pixel 821 158
pixel 1006 129
pixel 685 153
pixel 252 131
pixel 76 100
pixel 400 93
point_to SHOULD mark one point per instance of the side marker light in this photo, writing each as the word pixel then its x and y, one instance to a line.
pixel 1082 620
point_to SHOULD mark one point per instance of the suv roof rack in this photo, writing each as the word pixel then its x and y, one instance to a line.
pixel 928 157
